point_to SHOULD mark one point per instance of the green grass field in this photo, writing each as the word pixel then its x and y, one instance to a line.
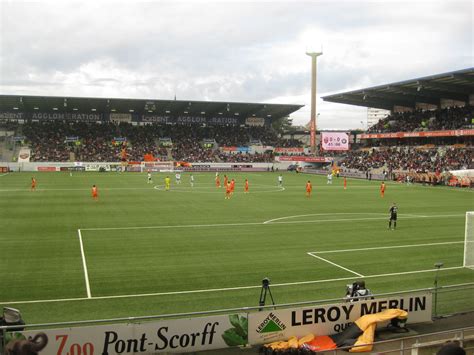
pixel 147 251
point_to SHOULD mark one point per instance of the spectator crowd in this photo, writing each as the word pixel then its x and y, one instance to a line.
pixel 410 159
pixel 441 119
pixel 95 141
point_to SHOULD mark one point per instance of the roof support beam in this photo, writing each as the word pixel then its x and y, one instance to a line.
pixel 358 102
pixel 446 87
pixel 464 76
pixel 433 93
pixel 388 101
pixel 403 98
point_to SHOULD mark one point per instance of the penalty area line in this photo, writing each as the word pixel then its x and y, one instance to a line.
pixel 229 288
pixel 380 248
pixel 84 264
pixel 337 265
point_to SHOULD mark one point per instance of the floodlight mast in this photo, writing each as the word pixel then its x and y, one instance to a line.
pixel 314 56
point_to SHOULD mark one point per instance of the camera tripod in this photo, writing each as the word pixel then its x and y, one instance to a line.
pixel 263 293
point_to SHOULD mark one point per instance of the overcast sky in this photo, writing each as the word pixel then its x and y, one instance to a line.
pixel 229 51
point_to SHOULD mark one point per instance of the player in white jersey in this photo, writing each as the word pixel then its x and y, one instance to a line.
pixel 178 178
pixel 280 180
pixel 191 180
pixel 329 179
pixel 149 178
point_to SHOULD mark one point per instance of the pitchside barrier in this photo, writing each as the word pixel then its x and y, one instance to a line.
pixel 219 329
pixel 165 166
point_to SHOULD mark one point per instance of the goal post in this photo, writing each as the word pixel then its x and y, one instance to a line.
pixel 469 241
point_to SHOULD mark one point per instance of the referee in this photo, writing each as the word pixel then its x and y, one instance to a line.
pixel 393 216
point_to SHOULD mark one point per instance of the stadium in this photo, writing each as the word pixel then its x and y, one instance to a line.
pixel 151 225
pixel 141 250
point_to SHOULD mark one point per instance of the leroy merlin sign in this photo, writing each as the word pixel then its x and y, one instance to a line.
pixel 271 324
pixel 268 326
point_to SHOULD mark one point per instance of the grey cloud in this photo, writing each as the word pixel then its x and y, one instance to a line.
pixel 238 51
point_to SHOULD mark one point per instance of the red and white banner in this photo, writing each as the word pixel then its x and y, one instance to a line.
pixel 334 141
pixel 304 158
pixel 451 133
pixel 289 150
pixel 47 168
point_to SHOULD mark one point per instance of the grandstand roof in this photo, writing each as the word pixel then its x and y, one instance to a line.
pixel 12 103
pixel 455 85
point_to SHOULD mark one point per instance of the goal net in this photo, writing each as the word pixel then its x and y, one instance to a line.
pixel 469 241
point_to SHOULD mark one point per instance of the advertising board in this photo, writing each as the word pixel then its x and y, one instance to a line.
pixel 273 325
pixel 166 336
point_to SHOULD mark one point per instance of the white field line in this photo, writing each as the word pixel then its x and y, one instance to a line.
pixel 263 223
pixel 337 265
pixel 3 174
pixel 379 248
pixel 226 289
pixel 86 274
pixel 320 214
pixel 362 219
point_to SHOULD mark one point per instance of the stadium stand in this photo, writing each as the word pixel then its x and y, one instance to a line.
pixel 430 120
pixel 48 141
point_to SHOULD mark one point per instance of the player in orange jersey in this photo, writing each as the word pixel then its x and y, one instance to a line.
pixel 226 180
pixel 309 189
pixel 228 191
pixel 33 184
pixel 232 186
pixel 246 186
pixel 95 193
pixel 382 189
pixel 218 181
pixel 345 183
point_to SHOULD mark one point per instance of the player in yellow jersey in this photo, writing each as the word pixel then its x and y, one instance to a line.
pixel 167 183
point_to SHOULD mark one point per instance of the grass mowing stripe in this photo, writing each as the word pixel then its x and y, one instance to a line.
pixel 286 284
pixel 265 223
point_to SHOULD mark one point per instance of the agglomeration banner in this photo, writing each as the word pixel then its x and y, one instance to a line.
pixel 218 332
pixel 133 117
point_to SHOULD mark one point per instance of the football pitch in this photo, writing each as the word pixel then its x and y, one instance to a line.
pixel 141 250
